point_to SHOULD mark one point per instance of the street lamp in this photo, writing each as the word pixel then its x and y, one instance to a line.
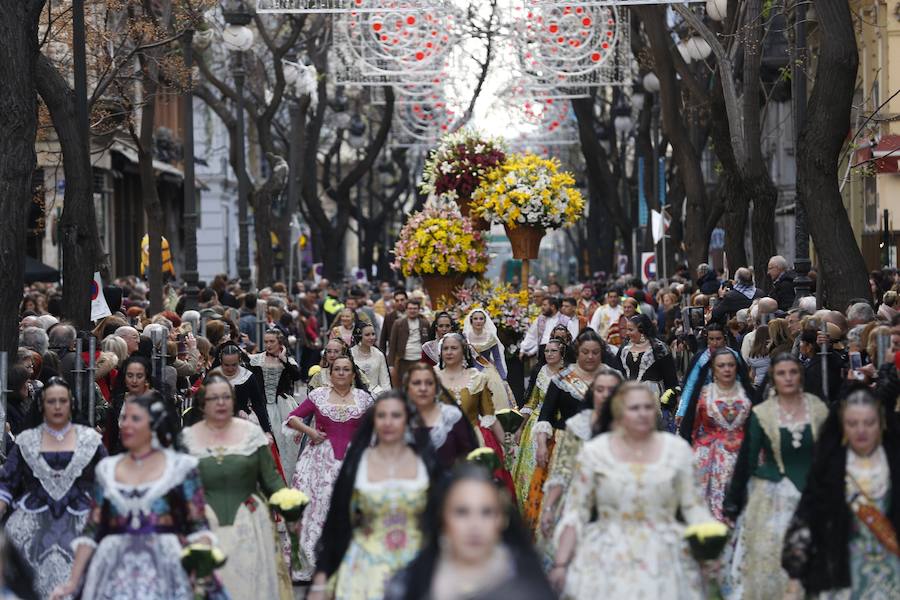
pixel 238 38
pixel 190 190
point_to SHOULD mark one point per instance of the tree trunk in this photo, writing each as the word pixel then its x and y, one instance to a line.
pixel 841 264
pixel 333 251
pixel 79 237
pixel 18 129
pixel 734 220
pixel 262 226
pixel 761 192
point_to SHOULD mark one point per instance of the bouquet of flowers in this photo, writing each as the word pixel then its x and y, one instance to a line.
pixel 485 457
pixel 290 504
pixel 510 419
pixel 528 190
pixel 437 242
pixel 201 559
pixel 457 166
pixel 707 540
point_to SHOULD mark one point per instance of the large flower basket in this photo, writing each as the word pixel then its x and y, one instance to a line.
pixel 525 240
pixel 440 287
pixel 465 207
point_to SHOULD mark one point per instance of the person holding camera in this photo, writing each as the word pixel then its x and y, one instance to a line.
pixel 733 298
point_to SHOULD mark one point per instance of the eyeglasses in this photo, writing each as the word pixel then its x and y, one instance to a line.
pixel 222 399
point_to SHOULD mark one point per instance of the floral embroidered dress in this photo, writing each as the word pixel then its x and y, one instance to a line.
pixel 718 433
pixel 138 532
pixel 490 359
pixel 526 461
pixel 49 494
pixel 387 535
pixel 559 474
pixel 634 548
pixel 769 478
pixel 319 464
pixel 874 571
pixel 239 515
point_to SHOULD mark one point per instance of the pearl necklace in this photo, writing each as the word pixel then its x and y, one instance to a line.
pixel 57 434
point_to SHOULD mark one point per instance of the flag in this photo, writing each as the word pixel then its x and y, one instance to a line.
pixel 99 307
pixel 657 226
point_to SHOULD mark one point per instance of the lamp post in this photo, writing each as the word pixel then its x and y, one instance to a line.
pixel 239 38
pixel 623 123
pixel 190 191
pixel 802 263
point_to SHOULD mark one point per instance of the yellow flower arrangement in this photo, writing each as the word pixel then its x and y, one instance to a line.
pixel 439 241
pixel 201 559
pixel 289 502
pixel 706 540
pixel 528 190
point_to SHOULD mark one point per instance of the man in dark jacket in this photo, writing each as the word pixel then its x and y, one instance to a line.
pixel 782 282
pixel 739 297
pixel 707 282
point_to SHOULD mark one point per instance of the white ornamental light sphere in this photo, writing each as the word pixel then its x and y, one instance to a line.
pixel 651 82
pixel 623 124
pixel 717 9
pixel 684 51
pixel 698 48
pixel 238 38
pixel 637 101
pixel 291 72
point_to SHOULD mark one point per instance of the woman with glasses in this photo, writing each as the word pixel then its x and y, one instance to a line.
pixel 235 465
pixel 47 480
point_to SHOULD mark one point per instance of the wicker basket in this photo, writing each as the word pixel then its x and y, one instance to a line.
pixel 525 240
pixel 440 287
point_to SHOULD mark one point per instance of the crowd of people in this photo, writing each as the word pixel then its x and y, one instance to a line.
pixel 627 417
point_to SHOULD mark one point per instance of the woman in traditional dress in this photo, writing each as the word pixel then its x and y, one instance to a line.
pixel 235 463
pixel 579 429
pixel 450 433
pixel 47 480
pixel 147 502
pixel 333 349
pixel 468 387
pixel 715 428
pixel 250 398
pixel 373 525
pixel 842 540
pixel 280 372
pixel 567 389
pixel 769 477
pixel 645 358
pixel 526 469
pixel 637 481
pixel 371 360
pixel 489 354
pixel 442 325
pixel 475 548
pixel 338 410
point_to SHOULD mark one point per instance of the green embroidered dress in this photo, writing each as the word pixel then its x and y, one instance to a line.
pixel 237 480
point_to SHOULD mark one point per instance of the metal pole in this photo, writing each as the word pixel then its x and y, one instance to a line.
pixel 262 320
pixel 190 189
pixel 243 191
pixel 823 352
pixel 92 369
pixel 802 264
pixel 4 363
pixel 78 371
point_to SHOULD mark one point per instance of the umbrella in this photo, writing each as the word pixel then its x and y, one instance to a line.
pixel 35 270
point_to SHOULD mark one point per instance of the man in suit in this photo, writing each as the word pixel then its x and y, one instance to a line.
pixel 408 334
pixel 782 282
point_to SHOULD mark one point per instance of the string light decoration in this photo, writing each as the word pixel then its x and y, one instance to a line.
pixel 324 6
pixel 393 45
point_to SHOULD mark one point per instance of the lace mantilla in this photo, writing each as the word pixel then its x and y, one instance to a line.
pixel 340 413
pixel 440 431
pixel 58 483
pixel 580 425
pixel 177 468
pixel 253 440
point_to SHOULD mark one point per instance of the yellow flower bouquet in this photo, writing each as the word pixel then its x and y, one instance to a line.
pixel 528 190
pixel 290 503
pixel 485 457
pixel 201 559
pixel 707 540
pixel 440 242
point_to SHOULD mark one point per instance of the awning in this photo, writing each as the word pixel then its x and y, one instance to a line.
pixel 35 270
pixel 158 165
